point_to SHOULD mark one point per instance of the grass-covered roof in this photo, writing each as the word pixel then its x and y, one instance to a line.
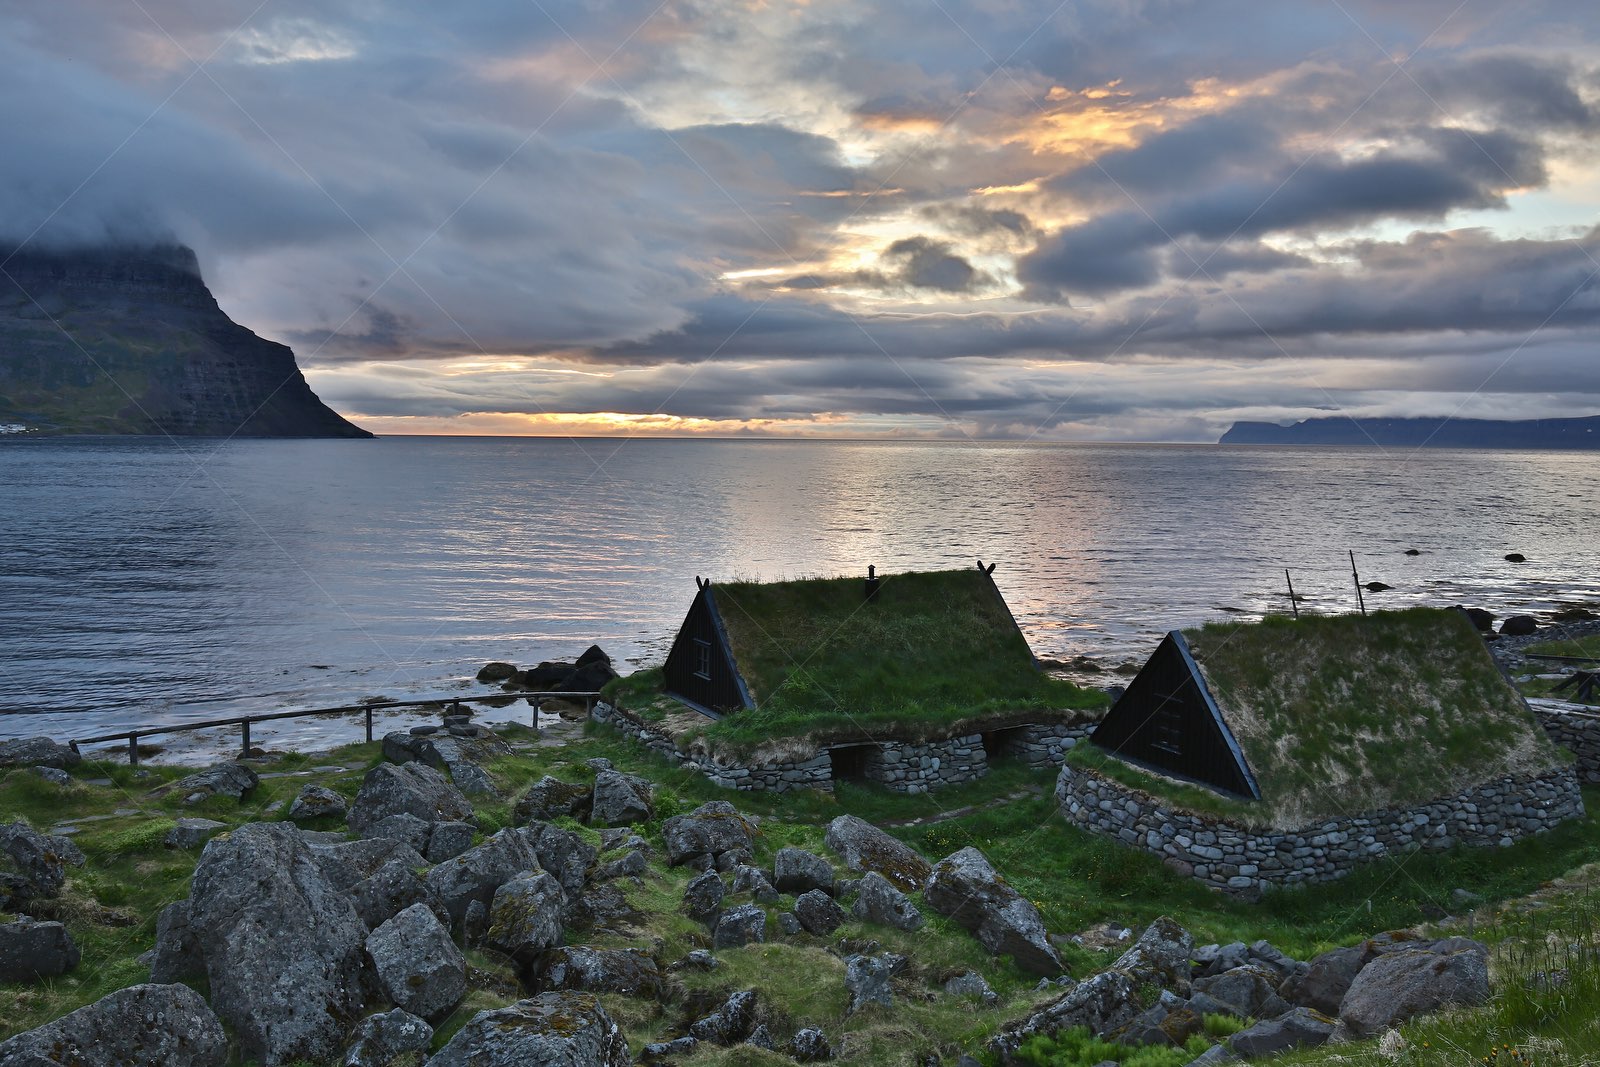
pixel 1338 715
pixel 931 649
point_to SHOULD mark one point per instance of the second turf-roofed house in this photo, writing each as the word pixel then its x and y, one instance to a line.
pixel 912 681
pixel 1252 754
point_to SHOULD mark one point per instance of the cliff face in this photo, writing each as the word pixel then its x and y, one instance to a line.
pixel 130 341
pixel 1417 433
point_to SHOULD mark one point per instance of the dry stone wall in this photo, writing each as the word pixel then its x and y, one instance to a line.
pixel 1579 733
pixel 901 766
pixel 1243 860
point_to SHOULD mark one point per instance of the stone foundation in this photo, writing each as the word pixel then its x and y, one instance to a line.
pixel 1236 858
pixel 1579 733
pixel 900 766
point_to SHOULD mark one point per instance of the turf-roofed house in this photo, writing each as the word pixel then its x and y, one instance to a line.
pixel 912 681
pixel 1248 754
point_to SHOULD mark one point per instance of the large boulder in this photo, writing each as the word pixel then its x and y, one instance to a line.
pixel 282 945
pixel 30 950
pixel 177 953
pixel 1407 982
pixel 630 971
pixel 189 833
pixel 817 912
pixel 140 1026
pixel 1327 979
pixel 1104 1003
pixel 878 901
pixel 413 789
pixel 552 1029
pixel 730 1023
pixel 417 966
pixel 551 798
pixel 317 802
pixel 702 897
pixel 864 847
pixel 740 926
pixel 562 853
pixel 478 872
pixel 1160 957
pixel 866 979
pixel 712 828
pixel 391 889
pixel 346 863
pixel 379 1040
pixel 37 752
pixel 525 916
pixel 232 780
pixel 964 887
pixel 620 799
pixel 1302 1027
pixel 33 866
pixel 1251 990
pixel 794 870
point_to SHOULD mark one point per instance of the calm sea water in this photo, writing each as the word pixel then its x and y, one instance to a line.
pixel 144 581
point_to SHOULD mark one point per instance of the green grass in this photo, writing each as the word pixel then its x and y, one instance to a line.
pixel 933 649
pixel 1078 1048
pixel 1343 714
pixel 1583 646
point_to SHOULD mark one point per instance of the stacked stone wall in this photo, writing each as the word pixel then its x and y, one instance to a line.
pixel 1579 733
pixel 1042 746
pixel 907 767
pixel 1240 859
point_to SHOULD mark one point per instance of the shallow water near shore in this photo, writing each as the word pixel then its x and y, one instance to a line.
pixel 152 581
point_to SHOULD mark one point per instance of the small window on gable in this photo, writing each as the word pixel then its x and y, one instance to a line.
pixel 702 659
pixel 1167 727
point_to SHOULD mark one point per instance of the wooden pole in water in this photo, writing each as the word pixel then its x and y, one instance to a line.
pixel 1292 605
pixel 1361 600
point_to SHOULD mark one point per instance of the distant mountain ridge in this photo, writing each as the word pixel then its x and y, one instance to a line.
pixel 1580 433
pixel 130 341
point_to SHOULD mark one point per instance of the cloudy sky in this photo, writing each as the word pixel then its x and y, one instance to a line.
pixel 1085 219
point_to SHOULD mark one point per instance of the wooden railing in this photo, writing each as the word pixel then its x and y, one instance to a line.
pixel 244 721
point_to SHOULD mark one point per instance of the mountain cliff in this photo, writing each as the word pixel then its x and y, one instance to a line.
pixel 1417 433
pixel 130 341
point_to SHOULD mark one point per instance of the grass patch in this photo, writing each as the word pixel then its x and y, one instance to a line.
pixel 1173 792
pixel 1344 714
pixel 1583 646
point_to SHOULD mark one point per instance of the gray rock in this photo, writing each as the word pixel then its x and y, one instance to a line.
pixel 702 898
pixel 1213 1056
pixel 1299 1028
pixel 863 847
pixel 789 924
pixel 878 901
pixel 1214 959
pixel 620 799
pixel 970 984
pixel 1266 954
pixel 810 1045
pixel 698 959
pixel 597 764
pixel 378 1040
pixel 177 953
pixel 407 789
pixel 733 859
pixel 192 833
pixel 1169 1021
pixel 1324 983
pixel 1401 984
pixel 628 865
pixel 317 802
pixel 404 829
pixel 31 950
pixel 817 912
pixel 37 752
pixel 551 798
pixel 1251 990
pixel 447 840
pixel 740 926
pixel 666 1050
pixel 140 1026
pixel 345 863
pixel 797 871
pixel 472 779
pixel 562 853
pixel 753 880
pixel 53 775
pixel 457 753
pixel 33 866
pixel 729 1024
pixel 496 671
pixel 224 780
pixel 1160 956
pixel 551 1029
pixel 713 827
pixel 282 946
pixel 630 971
pixel 964 887
pixel 525 916
pixel 1104 1003
pixel 760 1037
pixel 418 967
pixel 391 889
pixel 866 979
pixel 478 872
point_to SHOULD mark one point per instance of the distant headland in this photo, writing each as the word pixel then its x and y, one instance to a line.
pixel 1581 433
pixel 130 341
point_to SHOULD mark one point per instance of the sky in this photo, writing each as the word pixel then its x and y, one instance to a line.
pixel 1017 219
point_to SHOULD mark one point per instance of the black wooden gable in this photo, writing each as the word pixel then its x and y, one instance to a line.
pixel 700 669
pixel 1168 720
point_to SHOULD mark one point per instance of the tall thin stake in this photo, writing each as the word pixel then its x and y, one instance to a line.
pixel 1292 603
pixel 1354 574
